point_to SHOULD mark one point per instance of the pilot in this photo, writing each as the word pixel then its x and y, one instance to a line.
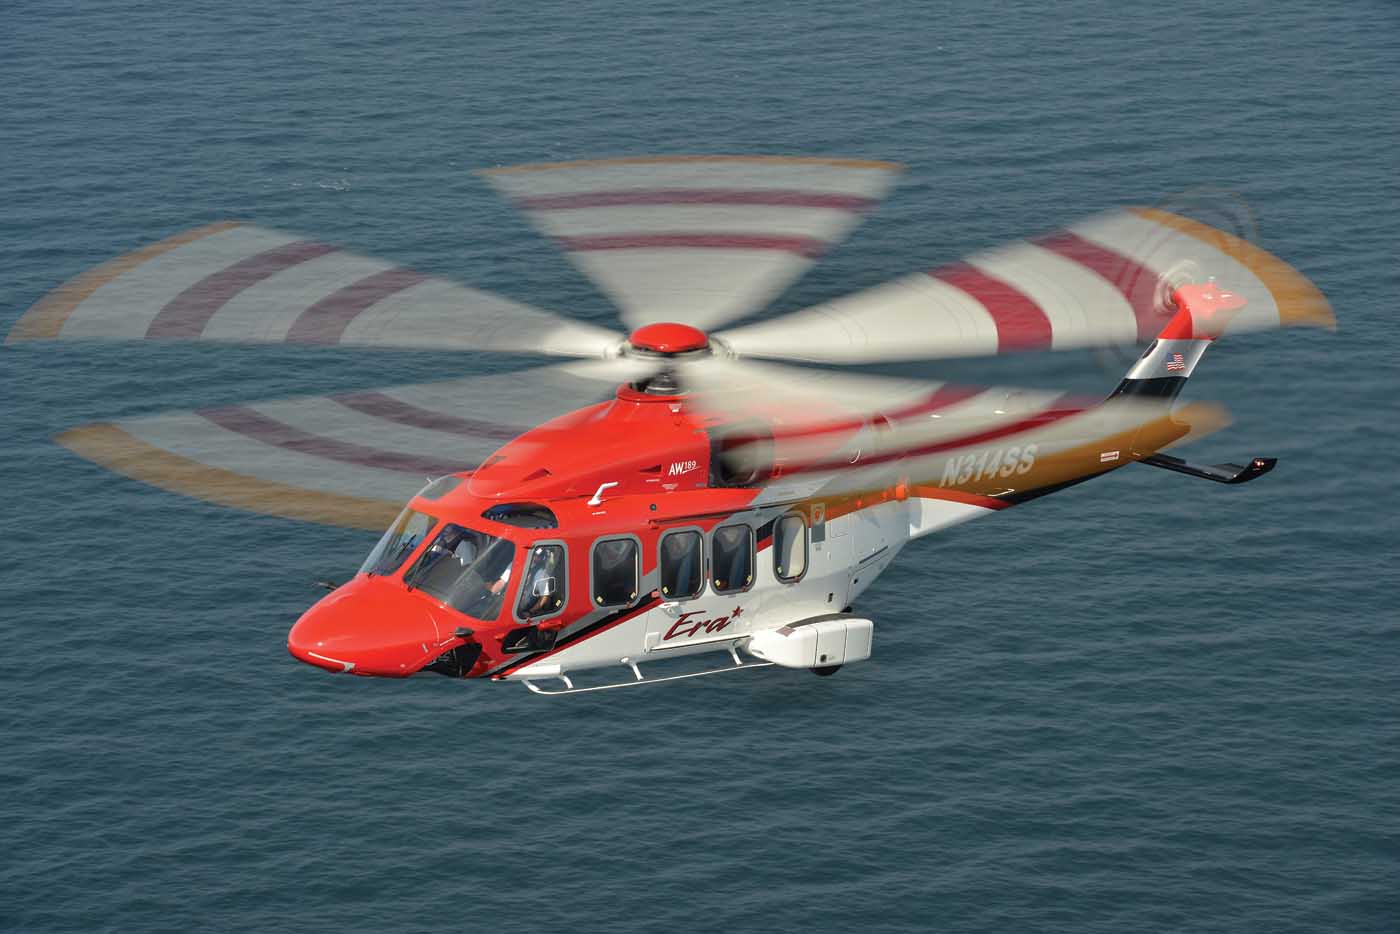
pixel 455 541
pixel 499 584
pixel 484 585
pixel 540 603
pixel 466 550
pixel 448 540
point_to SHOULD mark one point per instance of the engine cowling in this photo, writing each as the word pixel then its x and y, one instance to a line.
pixel 741 455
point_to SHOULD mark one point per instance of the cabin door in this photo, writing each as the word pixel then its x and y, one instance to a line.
pixel 832 556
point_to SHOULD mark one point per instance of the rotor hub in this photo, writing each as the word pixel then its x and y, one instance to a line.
pixel 668 339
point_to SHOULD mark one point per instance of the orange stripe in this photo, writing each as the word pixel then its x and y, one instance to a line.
pixel 662 160
pixel 45 319
pixel 1190 421
pixel 837 505
pixel 1187 423
pixel 111 447
pixel 1299 301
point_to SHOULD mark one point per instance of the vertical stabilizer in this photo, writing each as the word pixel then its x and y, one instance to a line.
pixel 1202 313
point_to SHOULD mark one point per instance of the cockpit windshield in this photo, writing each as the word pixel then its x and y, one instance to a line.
pixel 466 569
pixel 398 542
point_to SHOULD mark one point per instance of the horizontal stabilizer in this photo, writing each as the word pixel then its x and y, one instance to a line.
pixel 1220 473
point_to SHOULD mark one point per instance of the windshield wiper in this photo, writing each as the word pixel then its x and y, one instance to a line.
pixel 416 573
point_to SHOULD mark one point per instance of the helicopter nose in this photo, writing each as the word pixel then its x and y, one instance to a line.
pixel 367 627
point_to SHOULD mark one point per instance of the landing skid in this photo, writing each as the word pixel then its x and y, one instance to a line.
pixel 1220 473
pixel 638 678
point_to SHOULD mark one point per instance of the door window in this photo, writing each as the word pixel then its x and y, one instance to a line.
pixel 790 548
pixel 615 571
pixel 682 562
pixel 731 558
pixel 542 589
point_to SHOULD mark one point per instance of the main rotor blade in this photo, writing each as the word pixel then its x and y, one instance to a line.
pixel 349 459
pixel 825 432
pixel 813 414
pixel 1105 281
pixel 238 283
pixel 701 240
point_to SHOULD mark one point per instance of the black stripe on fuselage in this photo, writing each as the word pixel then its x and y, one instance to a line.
pixel 1026 496
pixel 763 536
pixel 1158 387
pixel 573 637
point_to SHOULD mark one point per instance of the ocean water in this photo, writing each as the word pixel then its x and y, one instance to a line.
pixel 1143 704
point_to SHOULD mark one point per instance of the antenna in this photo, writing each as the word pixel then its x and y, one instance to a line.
pixel 597 499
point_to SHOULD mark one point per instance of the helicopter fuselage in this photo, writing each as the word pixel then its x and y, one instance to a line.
pixel 622 532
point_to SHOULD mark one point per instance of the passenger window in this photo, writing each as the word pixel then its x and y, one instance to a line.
pixel 790 548
pixel 542 588
pixel 732 558
pixel 682 564
pixel 615 572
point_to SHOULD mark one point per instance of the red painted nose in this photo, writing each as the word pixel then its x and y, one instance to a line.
pixel 370 626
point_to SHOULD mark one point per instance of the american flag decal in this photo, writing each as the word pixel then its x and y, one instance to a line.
pixel 1175 363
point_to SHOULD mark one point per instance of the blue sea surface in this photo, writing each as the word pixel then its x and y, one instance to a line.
pixel 1144 704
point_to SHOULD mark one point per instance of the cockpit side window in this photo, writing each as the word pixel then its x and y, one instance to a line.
pixel 466 569
pixel 731 558
pixel 408 530
pixel 543 590
pixel 682 564
pixel 616 571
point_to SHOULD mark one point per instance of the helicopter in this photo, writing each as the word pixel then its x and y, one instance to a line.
pixel 691 489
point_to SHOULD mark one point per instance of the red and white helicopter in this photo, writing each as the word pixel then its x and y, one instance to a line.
pixel 712 501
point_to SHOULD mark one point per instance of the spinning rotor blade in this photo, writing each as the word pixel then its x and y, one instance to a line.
pixel 1102 282
pixel 351 459
pixel 701 240
pixel 238 283
pixel 832 432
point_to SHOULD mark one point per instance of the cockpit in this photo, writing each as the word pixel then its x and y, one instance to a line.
pixel 470 570
pixel 506 573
